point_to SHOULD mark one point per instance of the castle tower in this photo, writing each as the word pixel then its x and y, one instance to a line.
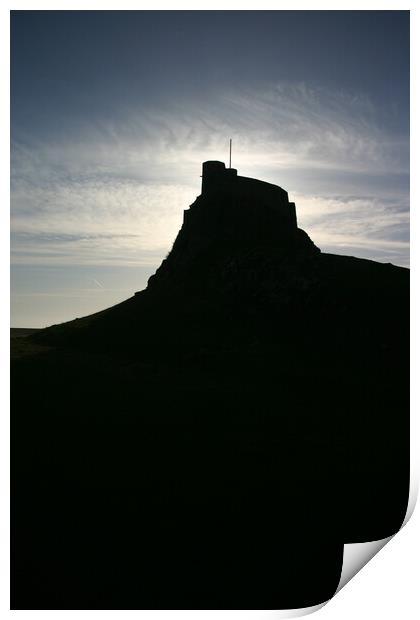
pixel 216 177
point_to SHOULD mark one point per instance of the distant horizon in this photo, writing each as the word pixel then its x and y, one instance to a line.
pixel 113 113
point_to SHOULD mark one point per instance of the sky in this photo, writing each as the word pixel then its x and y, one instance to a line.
pixel 113 113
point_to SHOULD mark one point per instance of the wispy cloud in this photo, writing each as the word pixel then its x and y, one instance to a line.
pixel 114 194
pixel 372 227
pixel 103 222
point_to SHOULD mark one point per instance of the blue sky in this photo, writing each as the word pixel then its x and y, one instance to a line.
pixel 112 113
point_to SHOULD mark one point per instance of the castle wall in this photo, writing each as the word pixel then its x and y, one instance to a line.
pixel 234 209
pixel 220 183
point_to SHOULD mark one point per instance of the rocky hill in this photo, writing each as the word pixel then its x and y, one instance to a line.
pixel 216 438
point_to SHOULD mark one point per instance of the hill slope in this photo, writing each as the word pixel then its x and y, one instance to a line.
pixel 213 441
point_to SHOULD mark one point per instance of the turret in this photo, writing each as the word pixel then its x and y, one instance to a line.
pixel 216 177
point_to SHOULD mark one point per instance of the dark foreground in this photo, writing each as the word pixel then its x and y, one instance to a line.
pixel 180 453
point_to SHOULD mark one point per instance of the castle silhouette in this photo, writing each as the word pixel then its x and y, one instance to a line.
pixel 219 181
pixel 235 213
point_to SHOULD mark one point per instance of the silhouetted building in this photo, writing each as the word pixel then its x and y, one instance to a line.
pixel 235 213
pixel 220 182
pixel 233 208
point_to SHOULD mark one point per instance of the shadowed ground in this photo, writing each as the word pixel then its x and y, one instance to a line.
pixel 213 441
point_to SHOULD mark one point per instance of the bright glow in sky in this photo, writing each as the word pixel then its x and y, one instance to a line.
pixel 109 130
